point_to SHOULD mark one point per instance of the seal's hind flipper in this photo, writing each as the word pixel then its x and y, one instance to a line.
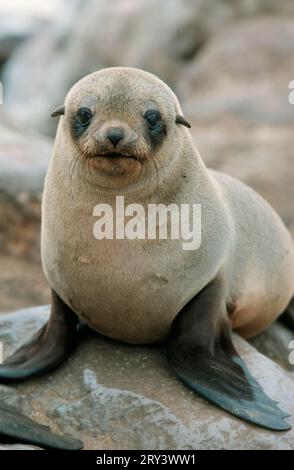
pixel 15 425
pixel 47 349
pixel 201 353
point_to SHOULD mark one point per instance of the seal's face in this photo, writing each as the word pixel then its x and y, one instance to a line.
pixel 118 136
pixel 122 124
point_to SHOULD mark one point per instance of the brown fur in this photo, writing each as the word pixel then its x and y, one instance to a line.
pixel 132 290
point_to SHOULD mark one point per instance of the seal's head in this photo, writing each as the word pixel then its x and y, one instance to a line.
pixel 122 123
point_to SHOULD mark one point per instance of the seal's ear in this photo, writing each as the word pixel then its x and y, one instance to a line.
pixel 58 111
pixel 181 120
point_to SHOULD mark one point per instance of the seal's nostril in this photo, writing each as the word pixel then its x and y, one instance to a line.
pixel 115 134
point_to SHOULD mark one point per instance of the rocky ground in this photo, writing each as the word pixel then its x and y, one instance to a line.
pixel 230 64
pixel 112 395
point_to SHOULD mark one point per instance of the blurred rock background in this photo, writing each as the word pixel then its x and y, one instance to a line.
pixel 230 62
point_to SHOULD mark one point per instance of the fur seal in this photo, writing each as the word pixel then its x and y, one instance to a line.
pixel 122 132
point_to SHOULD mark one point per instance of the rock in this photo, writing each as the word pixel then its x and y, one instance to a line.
pixel 18 447
pixel 22 281
pixel 17 24
pixel 236 95
pixel 31 100
pixel 23 162
pixel 242 75
pixel 12 32
pixel 24 158
pixel 260 156
pixel 118 396
pixel 130 34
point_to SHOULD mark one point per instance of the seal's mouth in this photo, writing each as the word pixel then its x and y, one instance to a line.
pixel 112 155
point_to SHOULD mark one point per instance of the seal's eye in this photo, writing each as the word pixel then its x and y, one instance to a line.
pixel 157 128
pixel 152 118
pixel 84 116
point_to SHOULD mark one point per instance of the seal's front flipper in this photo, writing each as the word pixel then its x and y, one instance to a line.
pixel 17 426
pixel 51 345
pixel 201 353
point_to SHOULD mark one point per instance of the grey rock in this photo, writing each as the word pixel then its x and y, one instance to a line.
pixel 24 157
pixel 261 156
pixel 117 396
pixel 236 95
pixel 18 447
pixel 16 26
pixel 20 21
pixel 243 75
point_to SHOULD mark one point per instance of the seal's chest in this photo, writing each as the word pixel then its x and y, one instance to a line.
pixel 124 289
pixel 128 289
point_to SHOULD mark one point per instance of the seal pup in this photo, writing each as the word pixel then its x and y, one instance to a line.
pixel 122 132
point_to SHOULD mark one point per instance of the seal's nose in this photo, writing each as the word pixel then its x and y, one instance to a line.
pixel 115 134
